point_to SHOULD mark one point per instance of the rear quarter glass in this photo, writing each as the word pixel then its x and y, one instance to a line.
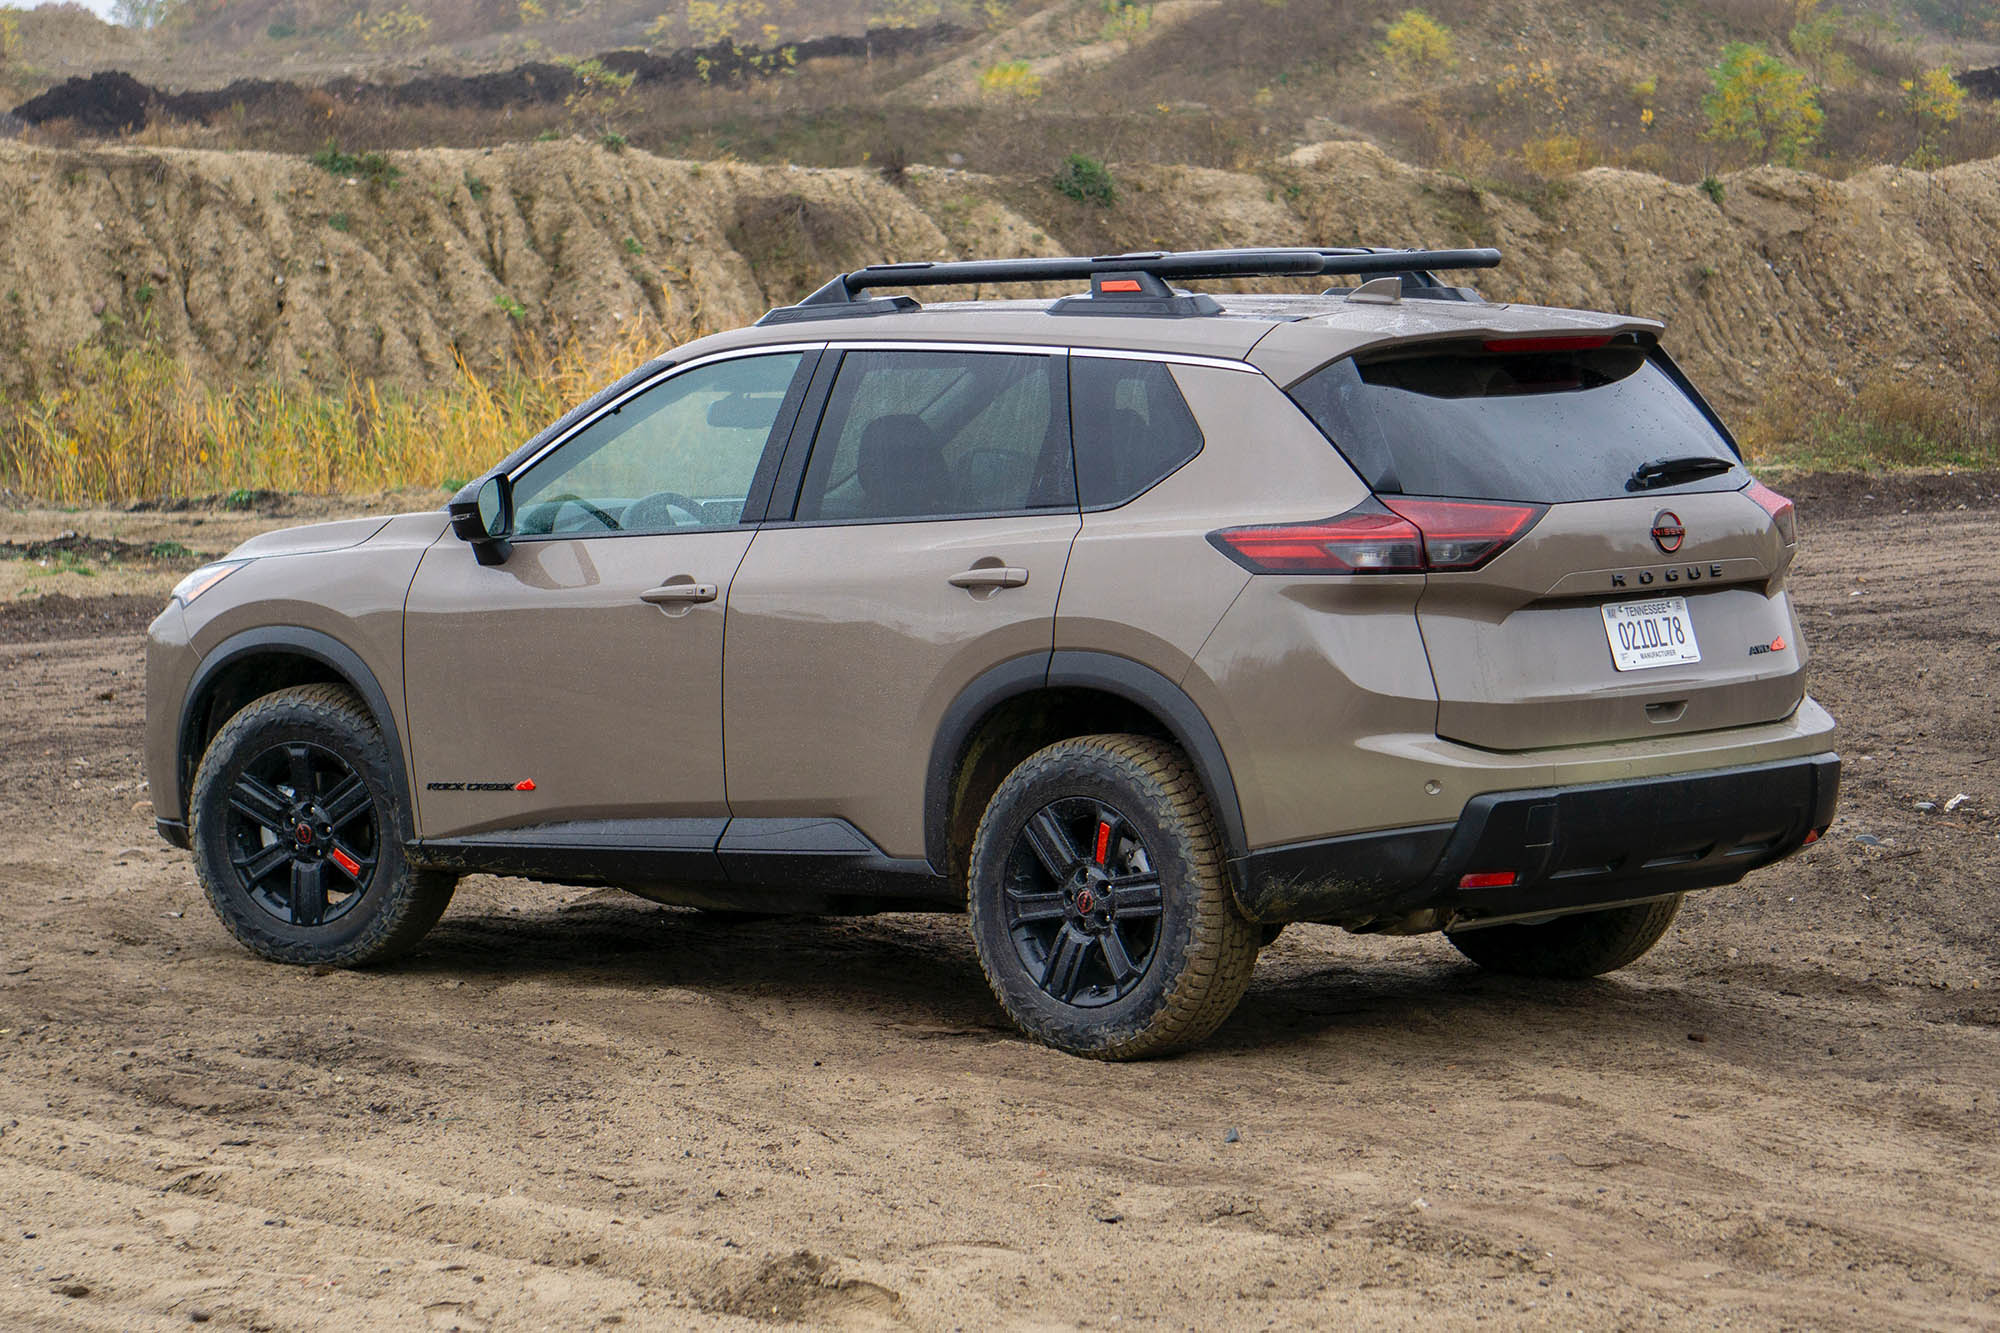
pixel 1543 427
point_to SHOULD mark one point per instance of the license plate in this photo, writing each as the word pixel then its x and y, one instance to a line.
pixel 1650 634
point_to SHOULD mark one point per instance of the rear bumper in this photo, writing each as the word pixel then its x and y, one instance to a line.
pixel 1569 848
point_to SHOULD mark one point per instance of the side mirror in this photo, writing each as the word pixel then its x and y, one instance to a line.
pixel 485 519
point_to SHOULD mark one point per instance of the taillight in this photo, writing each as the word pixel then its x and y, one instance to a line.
pixel 1778 507
pixel 1465 534
pixel 1393 535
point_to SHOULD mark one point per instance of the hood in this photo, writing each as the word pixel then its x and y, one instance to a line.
pixel 312 537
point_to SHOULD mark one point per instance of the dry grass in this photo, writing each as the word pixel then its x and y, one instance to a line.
pixel 113 425
pixel 1892 421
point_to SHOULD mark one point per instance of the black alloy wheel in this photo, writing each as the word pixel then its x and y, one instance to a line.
pixel 299 823
pixel 302 833
pixel 1097 891
pixel 1083 902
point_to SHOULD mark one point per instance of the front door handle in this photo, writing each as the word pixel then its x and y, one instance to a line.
pixel 676 594
pixel 990 576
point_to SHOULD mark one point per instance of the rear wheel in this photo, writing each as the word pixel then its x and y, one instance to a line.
pixel 295 823
pixel 1100 904
pixel 1586 944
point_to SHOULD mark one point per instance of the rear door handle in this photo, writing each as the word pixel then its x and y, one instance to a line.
pixel 990 576
pixel 674 594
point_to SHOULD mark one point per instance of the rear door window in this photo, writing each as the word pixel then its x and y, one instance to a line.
pixel 1545 427
pixel 921 434
pixel 1132 428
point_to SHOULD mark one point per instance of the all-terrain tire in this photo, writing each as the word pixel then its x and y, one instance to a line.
pixel 1201 949
pixel 1586 944
pixel 380 913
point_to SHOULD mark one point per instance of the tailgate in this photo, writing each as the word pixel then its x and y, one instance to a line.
pixel 1522 656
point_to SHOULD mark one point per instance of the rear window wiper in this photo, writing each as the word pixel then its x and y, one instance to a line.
pixel 1672 471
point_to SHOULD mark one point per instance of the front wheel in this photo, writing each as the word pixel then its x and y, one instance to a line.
pixel 1100 902
pixel 294 820
pixel 1585 944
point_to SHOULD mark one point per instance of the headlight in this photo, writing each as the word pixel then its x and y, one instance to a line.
pixel 199 582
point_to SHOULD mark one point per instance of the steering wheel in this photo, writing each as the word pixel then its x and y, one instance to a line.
pixel 640 517
pixel 571 497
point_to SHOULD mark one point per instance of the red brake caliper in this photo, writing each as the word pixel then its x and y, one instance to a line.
pixel 344 861
pixel 1103 843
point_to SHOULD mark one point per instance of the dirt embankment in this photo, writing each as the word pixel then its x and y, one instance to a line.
pixel 250 263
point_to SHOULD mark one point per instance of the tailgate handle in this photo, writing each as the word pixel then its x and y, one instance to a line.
pixel 675 594
pixel 1670 711
pixel 990 576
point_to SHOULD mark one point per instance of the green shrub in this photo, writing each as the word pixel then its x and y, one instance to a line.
pixel 1087 181
pixel 375 168
pixel 1761 101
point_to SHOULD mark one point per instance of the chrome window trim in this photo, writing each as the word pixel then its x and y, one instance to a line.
pixel 1165 358
pixel 876 345
pixel 1037 349
pixel 941 345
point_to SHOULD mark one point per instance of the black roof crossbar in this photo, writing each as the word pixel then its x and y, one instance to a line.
pixel 1154 268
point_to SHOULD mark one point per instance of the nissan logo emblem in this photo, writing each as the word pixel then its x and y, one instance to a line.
pixel 1667 531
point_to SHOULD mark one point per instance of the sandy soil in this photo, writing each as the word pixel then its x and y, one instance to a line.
pixel 576 1108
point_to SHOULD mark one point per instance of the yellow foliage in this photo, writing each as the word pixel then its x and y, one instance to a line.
pixel 904 13
pixel 1557 155
pixel 1759 100
pixel 116 425
pixel 714 21
pixel 1533 83
pixel 1124 20
pixel 1463 152
pixel 394 27
pixel 532 12
pixel 1418 45
pixel 1012 78
pixel 10 38
pixel 1934 97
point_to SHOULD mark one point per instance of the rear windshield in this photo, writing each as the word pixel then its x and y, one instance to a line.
pixel 1543 427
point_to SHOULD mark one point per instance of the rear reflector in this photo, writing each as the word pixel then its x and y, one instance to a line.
pixel 1394 535
pixel 1778 507
pixel 1488 879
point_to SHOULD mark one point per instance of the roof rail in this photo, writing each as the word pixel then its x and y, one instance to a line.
pixel 1152 269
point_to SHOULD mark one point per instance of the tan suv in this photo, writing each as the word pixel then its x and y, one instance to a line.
pixel 1138 623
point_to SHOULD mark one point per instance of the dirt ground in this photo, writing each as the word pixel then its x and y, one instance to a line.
pixel 576 1109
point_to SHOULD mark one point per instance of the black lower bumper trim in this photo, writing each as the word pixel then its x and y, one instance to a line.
pixel 1568 848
